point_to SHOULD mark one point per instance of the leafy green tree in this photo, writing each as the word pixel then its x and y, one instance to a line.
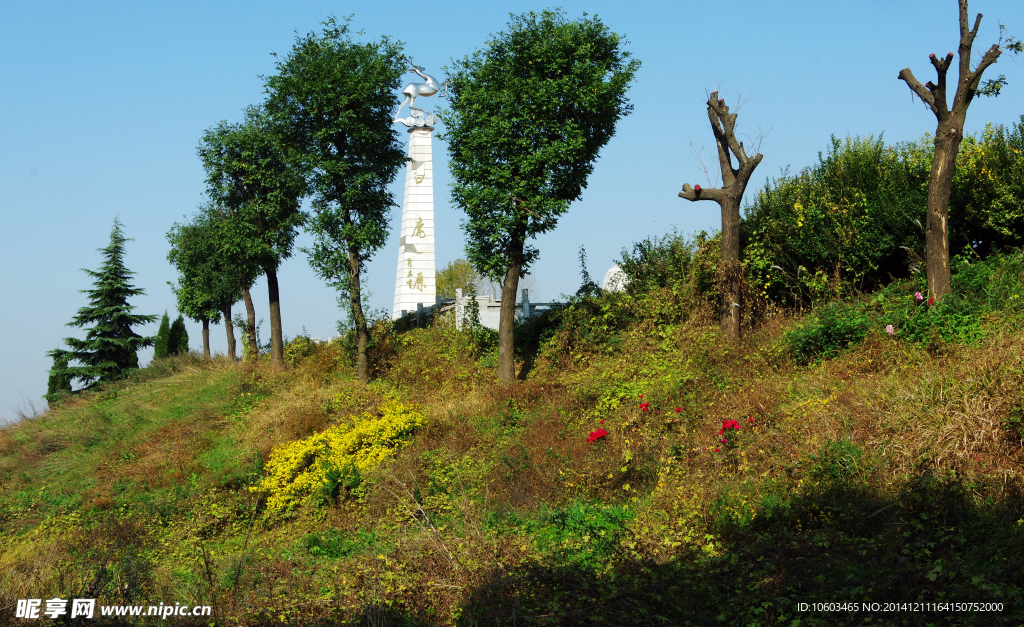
pixel 249 175
pixel 162 343
pixel 528 115
pixel 458 275
pixel 177 339
pixel 59 383
pixel 110 348
pixel 333 99
pixel 209 281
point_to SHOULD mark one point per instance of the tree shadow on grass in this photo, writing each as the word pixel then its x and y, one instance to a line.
pixel 930 544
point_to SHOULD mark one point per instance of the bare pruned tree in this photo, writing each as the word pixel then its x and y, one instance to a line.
pixel 948 135
pixel 728 196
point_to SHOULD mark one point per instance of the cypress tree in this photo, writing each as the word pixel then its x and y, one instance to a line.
pixel 162 345
pixel 60 382
pixel 110 348
pixel 177 340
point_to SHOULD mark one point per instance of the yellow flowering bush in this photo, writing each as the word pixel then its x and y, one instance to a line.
pixel 322 464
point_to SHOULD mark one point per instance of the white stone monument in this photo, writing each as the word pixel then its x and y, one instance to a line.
pixel 415 283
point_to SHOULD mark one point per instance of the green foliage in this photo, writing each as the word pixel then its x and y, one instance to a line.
pixel 177 338
pixel 59 383
pixel 337 544
pixel 838 225
pixel 686 265
pixel 458 274
pixel 332 99
pixel 301 347
pixel 987 194
pixel 837 462
pixel 527 118
pixel 827 332
pixel 110 348
pixel 161 345
pixel 581 534
pixel 209 280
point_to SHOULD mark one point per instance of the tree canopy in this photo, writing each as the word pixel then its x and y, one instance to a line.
pixel 260 190
pixel 528 115
pixel 332 99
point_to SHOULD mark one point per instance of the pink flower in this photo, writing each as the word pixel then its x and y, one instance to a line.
pixel 890 329
pixel 918 296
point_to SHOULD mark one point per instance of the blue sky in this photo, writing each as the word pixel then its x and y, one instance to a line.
pixel 103 104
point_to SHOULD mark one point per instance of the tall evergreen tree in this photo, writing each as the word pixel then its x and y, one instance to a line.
pixel 161 344
pixel 110 348
pixel 177 339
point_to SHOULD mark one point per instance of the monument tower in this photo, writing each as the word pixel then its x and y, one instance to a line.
pixel 415 281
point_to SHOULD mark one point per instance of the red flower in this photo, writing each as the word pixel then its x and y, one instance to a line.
pixel 751 419
pixel 641 396
pixel 602 422
pixel 645 406
pixel 931 301
pixel 597 435
pixel 716 450
pixel 679 409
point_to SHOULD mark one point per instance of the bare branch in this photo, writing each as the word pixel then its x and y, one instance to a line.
pixel 701 162
pixel 915 86
pixel 696 193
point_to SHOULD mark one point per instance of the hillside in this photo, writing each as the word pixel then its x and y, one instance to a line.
pixel 824 460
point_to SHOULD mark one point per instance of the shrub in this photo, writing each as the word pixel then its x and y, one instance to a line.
pixel 840 224
pixel 324 465
pixel 827 333
pixel 298 349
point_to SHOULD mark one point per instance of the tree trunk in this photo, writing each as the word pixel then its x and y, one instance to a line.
pixel 276 337
pixel 731 272
pixel 362 330
pixel 250 312
pixel 507 319
pixel 206 338
pixel 230 328
pixel 947 142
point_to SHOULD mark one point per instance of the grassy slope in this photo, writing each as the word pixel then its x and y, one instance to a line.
pixel 885 474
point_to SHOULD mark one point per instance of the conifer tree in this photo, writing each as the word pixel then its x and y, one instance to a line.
pixel 177 339
pixel 161 345
pixel 59 383
pixel 110 348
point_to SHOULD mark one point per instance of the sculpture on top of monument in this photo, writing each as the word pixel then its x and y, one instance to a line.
pixel 418 117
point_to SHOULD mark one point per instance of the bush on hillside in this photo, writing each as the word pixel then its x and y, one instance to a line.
pixel 828 332
pixel 987 196
pixel 328 464
pixel 840 225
